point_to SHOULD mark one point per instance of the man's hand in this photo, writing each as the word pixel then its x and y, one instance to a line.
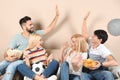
pixel 57 11
pixel 10 58
pixel 96 66
pixel 87 15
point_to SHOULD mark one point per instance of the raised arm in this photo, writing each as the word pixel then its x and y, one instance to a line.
pixel 53 23
pixel 84 26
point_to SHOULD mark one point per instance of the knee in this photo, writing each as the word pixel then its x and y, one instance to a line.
pixel 86 76
pixel 65 64
pixel 107 73
pixel 20 62
pixel 56 63
pixel 19 67
pixel 10 69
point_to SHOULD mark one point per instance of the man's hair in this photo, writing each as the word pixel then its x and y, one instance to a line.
pixel 24 20
pixel 101 34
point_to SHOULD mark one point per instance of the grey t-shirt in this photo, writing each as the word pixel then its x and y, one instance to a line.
pixel 20 42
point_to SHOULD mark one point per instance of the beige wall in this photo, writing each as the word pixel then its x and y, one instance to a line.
pixel 70 20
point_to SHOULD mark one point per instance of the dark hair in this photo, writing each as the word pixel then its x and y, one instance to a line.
pixel 101 34
pixel 24 20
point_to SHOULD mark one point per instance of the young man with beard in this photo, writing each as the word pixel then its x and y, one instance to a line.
pixel 20 42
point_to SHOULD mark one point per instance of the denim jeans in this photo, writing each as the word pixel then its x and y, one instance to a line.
pixel 98 75
pixel 9 68
pixel 64 73
pixel 3 66
pixel 50 70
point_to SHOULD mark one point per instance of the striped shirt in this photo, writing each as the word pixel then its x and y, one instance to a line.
pixel 38 55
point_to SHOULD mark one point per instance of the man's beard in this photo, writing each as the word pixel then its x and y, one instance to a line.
pixel 30 31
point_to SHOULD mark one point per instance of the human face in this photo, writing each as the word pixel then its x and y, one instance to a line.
pixel 40 42
pixel 95 40
pixel 29 27
pixel 73 43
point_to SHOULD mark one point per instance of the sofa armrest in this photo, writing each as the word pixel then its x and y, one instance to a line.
pixel 116 71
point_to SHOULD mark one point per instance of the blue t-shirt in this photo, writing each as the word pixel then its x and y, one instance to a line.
pixel 20 42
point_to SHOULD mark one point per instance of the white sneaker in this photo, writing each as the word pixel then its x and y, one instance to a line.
pixel 53 77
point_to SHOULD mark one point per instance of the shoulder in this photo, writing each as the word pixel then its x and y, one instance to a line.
pixel 102 47
pixel 17 36
pixel 105 51
pixel 41 32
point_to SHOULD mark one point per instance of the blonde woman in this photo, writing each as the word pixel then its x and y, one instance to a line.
pixel 35 53
pixel 72 57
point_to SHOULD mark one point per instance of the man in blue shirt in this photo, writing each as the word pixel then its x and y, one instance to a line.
pixel 20 41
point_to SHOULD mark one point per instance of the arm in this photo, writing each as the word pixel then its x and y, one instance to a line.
pixel 9 58
pixel 53 23
pixel 62 55
pixel 12 45
pixel 110 62
pixel 26 58
pixel 50 58
pixel 84 26
pixel 5 53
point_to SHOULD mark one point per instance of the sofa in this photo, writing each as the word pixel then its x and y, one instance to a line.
pixel 115 70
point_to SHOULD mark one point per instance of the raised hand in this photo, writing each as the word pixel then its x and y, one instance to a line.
pixel 87 15
pixel 57 11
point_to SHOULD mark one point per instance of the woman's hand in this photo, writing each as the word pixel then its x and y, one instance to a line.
pixel 62 55
pixel 77 62
pixel 26 55
pixel 65 45
pixel 57 11
pixel 50 58
pixel 87 15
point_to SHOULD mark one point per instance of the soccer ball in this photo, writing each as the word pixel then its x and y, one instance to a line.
pixel 38 68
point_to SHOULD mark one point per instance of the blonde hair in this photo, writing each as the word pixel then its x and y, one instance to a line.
pixel 82 45
pixel 33 41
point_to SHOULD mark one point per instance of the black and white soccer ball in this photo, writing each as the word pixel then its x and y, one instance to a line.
pixel 38 68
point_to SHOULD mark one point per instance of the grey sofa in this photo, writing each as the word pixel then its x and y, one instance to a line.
pixel 116 72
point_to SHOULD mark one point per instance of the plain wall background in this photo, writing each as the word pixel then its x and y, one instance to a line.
pixel 70 19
